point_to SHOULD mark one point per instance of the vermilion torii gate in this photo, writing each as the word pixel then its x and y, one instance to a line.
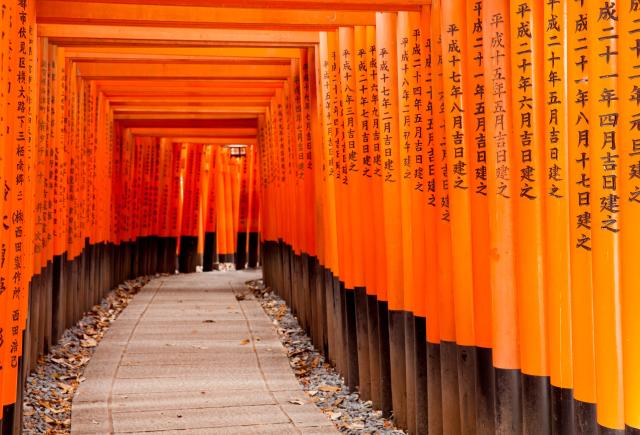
pixel 445 192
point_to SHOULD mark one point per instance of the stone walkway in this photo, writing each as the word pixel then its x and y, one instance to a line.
pixel 187 357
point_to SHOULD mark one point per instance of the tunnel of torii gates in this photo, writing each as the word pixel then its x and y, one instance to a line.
pixel 446 193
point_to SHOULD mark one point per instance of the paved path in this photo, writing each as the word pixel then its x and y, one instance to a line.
pixel 187 357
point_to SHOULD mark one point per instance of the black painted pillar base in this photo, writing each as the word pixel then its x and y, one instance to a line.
pixel 410 370
pixel 241 254
pixel 188 254
pixel 226 258
pixel 386 399
pixel 434 389
pixel 420 361
pixel 485 392
pixel 352 338
pixel 508 401
pixel 398 367
pixel 210 257
pixel 374 351
pixel 450 391
pixel 362 328
pixel 254 242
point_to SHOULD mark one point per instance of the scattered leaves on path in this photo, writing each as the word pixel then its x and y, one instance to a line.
pixel 50 388
pixel 320 381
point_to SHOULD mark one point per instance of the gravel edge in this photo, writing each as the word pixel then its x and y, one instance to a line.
pixel 320 381
pixel 50 388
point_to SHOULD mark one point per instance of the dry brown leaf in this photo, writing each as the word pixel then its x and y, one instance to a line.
pixel 329 388
pixel 66 388
pixel 89 342
pixel 296 401
pixel 245 341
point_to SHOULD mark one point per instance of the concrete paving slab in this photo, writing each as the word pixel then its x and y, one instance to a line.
pixel 187 357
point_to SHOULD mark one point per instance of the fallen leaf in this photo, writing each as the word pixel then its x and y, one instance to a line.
pixel 296 402
pixel 245 341
pixel 66 388
pixel 89 342
pixel 329 388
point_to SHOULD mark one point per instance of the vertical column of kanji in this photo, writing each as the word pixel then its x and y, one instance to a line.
pixel 41 190
pixel 480 237
pixel 584 383
pixel 318 131
pixel 448 365
pixel 307 67
pixel 337 215
pixel 351 182
pixel 280 159
pixel 29 204
pixel 7 174
pixel 293 192
pixel 556 218
pixel 378 307
pixel 45 120
pixel 603 50
pixel 298 214
pixel 431 215
pixel 528 127
pixel 311 135
pixel 329 258
pixel 96 183
pixel 75 111
pixel 497 75
pixel 630 209
pixel 289 187
pixel 304 212
pixel 268 176
pixel 4 209
pixel 266 151
pixel 377 178
pixel 34 264
pixel 13 217
pixel 276 180
pixel 343 280
pixel 415 51
pixel 367 306
pixel 458 123
pixel 406 84
pixel 173 212
pixel 72 174
pixel 59 156
pixel 390 145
